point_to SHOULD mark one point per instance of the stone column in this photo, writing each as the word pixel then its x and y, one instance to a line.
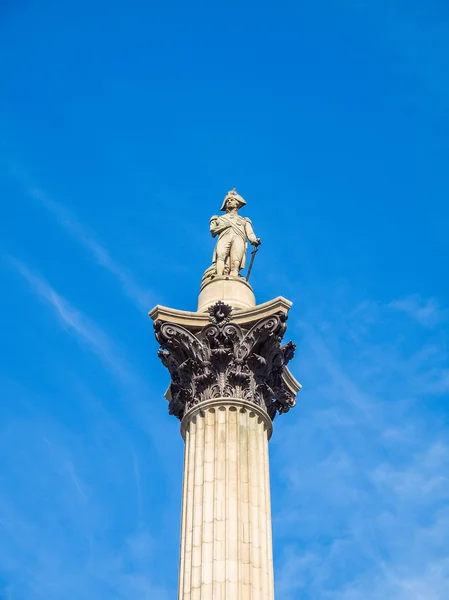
pixel 228 381
pixel 226 549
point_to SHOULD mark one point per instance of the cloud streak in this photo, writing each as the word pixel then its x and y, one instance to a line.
pixel 364 512
pixel 84 329
pixel 135 389
pixel 61 536
pixel 55 540
pixel 425 311
pixel 141 297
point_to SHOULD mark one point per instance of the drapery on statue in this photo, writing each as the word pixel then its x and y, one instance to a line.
pixel 233 232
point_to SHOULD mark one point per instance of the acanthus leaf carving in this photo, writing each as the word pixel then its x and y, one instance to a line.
pixel 226 360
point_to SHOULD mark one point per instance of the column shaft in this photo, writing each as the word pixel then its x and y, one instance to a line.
pixel 226 547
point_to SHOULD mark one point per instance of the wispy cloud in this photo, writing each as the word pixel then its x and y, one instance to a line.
pixel 133 386
pixel 425 311
pixel 141 297
pixel 76 482
pixel 364 512
pixel 60 534
pixel 83 328
pixel 53 543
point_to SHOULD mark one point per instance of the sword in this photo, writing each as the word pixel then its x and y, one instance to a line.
pixel 253 255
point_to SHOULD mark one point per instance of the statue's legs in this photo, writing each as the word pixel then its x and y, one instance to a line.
pixel 230 246
pixel 223 249
pixel 237 254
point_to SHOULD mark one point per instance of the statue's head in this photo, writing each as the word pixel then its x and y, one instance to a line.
pixel 232 200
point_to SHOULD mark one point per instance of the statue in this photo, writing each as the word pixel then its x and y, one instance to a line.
pixel 233 231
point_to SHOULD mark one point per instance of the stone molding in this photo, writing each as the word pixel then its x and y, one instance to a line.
pixel 194 321
pixel 226 404
pixel 227 360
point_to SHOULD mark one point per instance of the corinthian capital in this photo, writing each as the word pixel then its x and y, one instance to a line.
pixel 224 359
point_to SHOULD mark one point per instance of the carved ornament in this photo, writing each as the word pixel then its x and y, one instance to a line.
pixel 226 360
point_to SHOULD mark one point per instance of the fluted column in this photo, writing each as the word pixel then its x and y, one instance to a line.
pixel 229 379
pixel 226 545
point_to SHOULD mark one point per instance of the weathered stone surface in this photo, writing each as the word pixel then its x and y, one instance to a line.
pixel 232 232
pixel 234 291
pixel 194 321
pixel 229 378
pixel 226 539
pixel 227 360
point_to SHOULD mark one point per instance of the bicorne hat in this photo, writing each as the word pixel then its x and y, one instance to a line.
pixel 232 194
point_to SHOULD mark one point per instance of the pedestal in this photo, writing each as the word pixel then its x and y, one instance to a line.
pixel 234 291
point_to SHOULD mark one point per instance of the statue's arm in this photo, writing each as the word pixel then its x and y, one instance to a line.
pixel 255 241
pixel 215 226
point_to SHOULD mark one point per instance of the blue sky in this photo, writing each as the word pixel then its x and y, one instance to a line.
pixel 122 126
